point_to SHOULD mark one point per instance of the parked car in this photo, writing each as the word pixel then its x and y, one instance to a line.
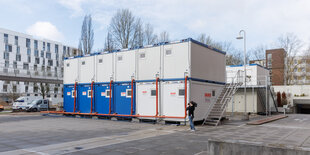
pixel 38 105
pixel 22 102
pixel 1 107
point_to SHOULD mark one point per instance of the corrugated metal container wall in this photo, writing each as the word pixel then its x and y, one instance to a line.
pixel 104 67
pixel 87 69
pixel 71 70
pixel 148 63
pixel 175 60
pixel 125 65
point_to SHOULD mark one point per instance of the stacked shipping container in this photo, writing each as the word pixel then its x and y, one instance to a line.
pixel 147 82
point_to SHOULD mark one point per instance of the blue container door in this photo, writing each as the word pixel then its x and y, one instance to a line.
pixel 123 99
pixel 84 98
pixel 68 98
pixel 102 102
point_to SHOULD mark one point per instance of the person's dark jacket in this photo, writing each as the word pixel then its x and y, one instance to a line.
pixel 191 110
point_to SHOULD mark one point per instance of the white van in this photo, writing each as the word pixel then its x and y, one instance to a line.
pixel 21 102
pixel 38 105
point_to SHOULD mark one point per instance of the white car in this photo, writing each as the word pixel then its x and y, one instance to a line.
pixel 38 105
pixel 21 102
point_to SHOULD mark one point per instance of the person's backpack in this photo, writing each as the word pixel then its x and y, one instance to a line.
pixel 194 104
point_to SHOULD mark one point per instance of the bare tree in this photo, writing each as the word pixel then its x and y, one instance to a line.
pixel 12 93
pixel 44 89
pixel 164 37
pixel 109 43
pixel 123 28
pixel 139 34
pixel 149 36
pixel 87 36
pixel 292 45
pixel 258 52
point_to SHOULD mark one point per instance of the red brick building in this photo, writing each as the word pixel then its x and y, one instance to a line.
pixel 275 59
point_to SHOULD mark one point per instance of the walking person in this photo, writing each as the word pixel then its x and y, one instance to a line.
pixel 191 108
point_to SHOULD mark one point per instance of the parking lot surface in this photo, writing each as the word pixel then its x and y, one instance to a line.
pixel 36 134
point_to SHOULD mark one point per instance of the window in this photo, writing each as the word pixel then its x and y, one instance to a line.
pixel 73 93
pixel 43 46
pixel 6 64
pixel 107 93
pixel 14 64
pixel 56 48
pixel 26 66
pixel 168 52
pixel 14 88
pixel 16 40
pixel 42 54
pixel 153 92
pixel 37 60
pixel 142 55
pixel 26 89
pixel 128 92
pixel 6 56
pixel 36 53
pixel 35 67
pixel 181 92
pixel 18 57
pixel 35 44
pixel 100 60
pixel 28 51
pixel 27 43
pixel 50 62
pixel 213 92
pixel 5 88
pixel 83 62
pixel 17 49
pixel 89 93
pixel 8 48
pixel 29 59
pixel 6 38
pixel 269 56
pixel 48 47
pixel 120 58
pixel 295 62
pixel 48 55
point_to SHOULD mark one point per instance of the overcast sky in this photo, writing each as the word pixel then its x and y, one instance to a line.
pixel 263 20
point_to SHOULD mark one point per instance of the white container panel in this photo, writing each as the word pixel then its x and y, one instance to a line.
pixel 104 67
pixel 204 94
pixel 125 65
pixel 148 63
pixel 173 99
pixel 207 64
pixel 87 69
pixel 146 99
pixel 175 60
pixel 71 71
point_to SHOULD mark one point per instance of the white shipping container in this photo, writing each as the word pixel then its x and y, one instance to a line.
pixel 146 98
pixel 176 60
pixel 71 70
pixel 125 66
pixel 104 67
pixel 87 69
pixel 148 63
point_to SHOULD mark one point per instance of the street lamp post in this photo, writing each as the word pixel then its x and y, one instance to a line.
pixel 244 39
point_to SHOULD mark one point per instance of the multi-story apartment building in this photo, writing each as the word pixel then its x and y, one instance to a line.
pixel 26 62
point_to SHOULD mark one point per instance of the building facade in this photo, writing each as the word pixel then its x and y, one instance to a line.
pixel 275 62
pixel 29 64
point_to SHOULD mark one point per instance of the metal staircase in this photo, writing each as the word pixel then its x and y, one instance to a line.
pixel 217 109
